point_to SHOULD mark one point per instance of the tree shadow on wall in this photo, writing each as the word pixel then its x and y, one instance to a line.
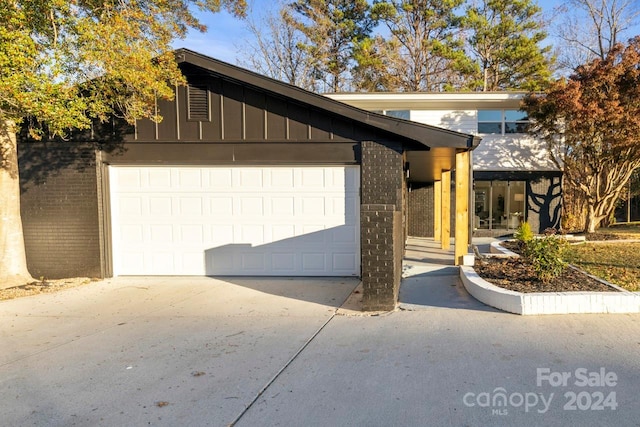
pixel 40 160
pixel 547 205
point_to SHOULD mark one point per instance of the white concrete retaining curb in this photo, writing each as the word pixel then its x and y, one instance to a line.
pixel 548 302
pixel 497 248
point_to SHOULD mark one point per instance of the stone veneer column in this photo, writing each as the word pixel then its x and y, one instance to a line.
pixel 381 224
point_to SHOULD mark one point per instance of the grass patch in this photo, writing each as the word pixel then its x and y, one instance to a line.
pixel 623 231
pixel 618 263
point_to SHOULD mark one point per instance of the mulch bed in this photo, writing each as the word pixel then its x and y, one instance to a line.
pixel 515 274
pixel 43 287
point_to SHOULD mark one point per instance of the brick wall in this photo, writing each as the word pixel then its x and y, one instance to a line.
pixel 382 227
pixel 59 206
pixel 421 210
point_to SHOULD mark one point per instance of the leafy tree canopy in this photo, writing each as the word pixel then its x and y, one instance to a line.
pixel 591 123
pixel 66 62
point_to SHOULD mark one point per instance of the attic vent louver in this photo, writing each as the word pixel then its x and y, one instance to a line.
pixel 198 102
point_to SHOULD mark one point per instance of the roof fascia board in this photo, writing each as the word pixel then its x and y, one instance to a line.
pixel 424 101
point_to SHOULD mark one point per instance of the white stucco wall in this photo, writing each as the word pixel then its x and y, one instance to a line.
pixel 458 112
pixel 512 152
pixel 509 152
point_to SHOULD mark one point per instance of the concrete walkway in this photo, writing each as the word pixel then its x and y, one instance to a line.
pixel 430 278
pixel 272 352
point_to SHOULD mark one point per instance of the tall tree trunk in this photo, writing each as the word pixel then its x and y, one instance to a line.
pixel 592 221
pixel 13 261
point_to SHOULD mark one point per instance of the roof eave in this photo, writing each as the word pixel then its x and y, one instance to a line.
pixel 411 131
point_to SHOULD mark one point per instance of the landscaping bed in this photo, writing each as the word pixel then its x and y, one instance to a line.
pixel 618 263
pixel 517 275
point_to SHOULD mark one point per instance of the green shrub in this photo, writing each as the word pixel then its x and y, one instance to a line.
pixel 545 255
pixel 523 232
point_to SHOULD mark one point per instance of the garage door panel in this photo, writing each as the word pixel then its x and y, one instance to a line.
pixel 314 262
pixel 221 206
pixel 282 178
pixel 189 178
pixel 235 221
pixel 282 206
pixel 130 178
pixel 344 261
pixel 160 206
pixel 248 179
pixel 283 263
pixel 159 178
pixel 190 234
pixel 346 235
pixel 191 261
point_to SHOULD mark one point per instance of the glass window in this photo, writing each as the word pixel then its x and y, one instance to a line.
pixel 502 121
pixel 515 116
pixel 516 127
pixel 399 114
pixel 515 121
pixel 490 121
pixel 489 127
pixel 489 115
pixel 499 204
pixel 482 204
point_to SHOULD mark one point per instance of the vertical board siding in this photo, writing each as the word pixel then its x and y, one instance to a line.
pixel 276 119
pixel 233 98
pixel 189 129
pixel 167 129
pixel 255 104
pixel 298 122
pixel 213 128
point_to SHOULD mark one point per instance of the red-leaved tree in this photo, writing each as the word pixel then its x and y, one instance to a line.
pixel 591 123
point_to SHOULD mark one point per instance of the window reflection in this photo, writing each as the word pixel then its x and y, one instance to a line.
pixel 499 204
pixel 502 121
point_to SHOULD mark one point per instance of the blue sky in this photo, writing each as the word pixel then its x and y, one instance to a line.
pixel 226 35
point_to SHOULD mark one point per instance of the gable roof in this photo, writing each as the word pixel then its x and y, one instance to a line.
pixel 425 135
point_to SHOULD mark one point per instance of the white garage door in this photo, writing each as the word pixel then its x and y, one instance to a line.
pixel 271 221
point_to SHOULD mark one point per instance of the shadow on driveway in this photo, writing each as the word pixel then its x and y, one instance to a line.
pixel 330 291
pixel 436 286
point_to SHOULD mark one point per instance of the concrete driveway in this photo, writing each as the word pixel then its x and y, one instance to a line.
pixel 198 351
pixel 113 353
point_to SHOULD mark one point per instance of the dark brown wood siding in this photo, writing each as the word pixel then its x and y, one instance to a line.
pixel 246 114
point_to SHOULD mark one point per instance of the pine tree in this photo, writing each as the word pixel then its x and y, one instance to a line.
pixel 505 38
pixel 332 29
pixel 424 51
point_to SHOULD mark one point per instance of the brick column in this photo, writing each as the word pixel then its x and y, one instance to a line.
pixel 382 229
